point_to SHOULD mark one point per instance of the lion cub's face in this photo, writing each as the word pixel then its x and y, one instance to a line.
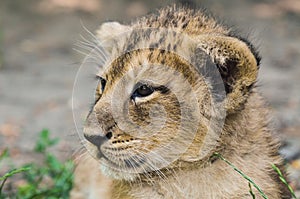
pixel 164 92
pixel 146 113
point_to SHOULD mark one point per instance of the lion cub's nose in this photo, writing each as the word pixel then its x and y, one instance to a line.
pixel 98 140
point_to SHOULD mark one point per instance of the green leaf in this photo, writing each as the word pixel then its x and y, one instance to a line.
pixel 44 141
pixel 53 163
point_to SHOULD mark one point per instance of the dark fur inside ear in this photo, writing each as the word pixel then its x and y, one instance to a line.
pixel 228 73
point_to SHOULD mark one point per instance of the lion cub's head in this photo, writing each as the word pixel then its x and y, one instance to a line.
pixel 163 93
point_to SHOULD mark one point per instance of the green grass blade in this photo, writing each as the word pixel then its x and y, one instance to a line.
pixel 281 177
pixel 242 174
pixel 13 172
pixel 250 191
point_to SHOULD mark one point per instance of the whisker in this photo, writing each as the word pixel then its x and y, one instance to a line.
pixel 92 47
pixel 160 173
pixel 91 53
pixel 151 166
pixel 89 32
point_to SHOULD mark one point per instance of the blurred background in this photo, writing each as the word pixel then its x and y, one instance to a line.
pixel 38 64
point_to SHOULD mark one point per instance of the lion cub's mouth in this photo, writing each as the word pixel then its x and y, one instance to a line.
pixel 120 159
pixel 128 163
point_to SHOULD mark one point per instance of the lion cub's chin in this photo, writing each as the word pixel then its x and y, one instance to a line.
pixel 118 174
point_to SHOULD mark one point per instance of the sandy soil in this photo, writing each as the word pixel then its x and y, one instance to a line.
pixel 38 64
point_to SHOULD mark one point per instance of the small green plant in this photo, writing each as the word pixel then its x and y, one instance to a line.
pixel 52 179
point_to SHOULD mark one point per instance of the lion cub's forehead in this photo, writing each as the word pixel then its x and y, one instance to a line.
pixel 133 54
pixel 149 65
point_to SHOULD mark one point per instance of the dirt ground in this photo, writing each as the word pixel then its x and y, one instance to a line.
pixel 38 64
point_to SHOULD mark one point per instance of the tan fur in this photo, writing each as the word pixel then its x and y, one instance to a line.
pixel 245 139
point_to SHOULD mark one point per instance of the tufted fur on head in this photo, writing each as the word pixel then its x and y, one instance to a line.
pixel 176 88
pixel 237 61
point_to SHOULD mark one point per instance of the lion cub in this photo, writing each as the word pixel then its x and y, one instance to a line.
pixel 175 89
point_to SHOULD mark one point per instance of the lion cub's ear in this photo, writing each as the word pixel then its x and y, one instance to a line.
pixel 237 65
pixel 111 32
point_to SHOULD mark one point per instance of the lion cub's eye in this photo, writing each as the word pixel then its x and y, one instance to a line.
pixel 102 82
pixel 100 88
pixel 143 90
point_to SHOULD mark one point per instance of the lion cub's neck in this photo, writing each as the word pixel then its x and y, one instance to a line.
pixel 170 186
pixel 158 187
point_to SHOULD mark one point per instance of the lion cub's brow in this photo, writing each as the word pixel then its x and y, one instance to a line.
pixel 144 58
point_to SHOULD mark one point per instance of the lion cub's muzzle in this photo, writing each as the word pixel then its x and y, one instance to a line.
pixel 98 140
pixel 99 128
